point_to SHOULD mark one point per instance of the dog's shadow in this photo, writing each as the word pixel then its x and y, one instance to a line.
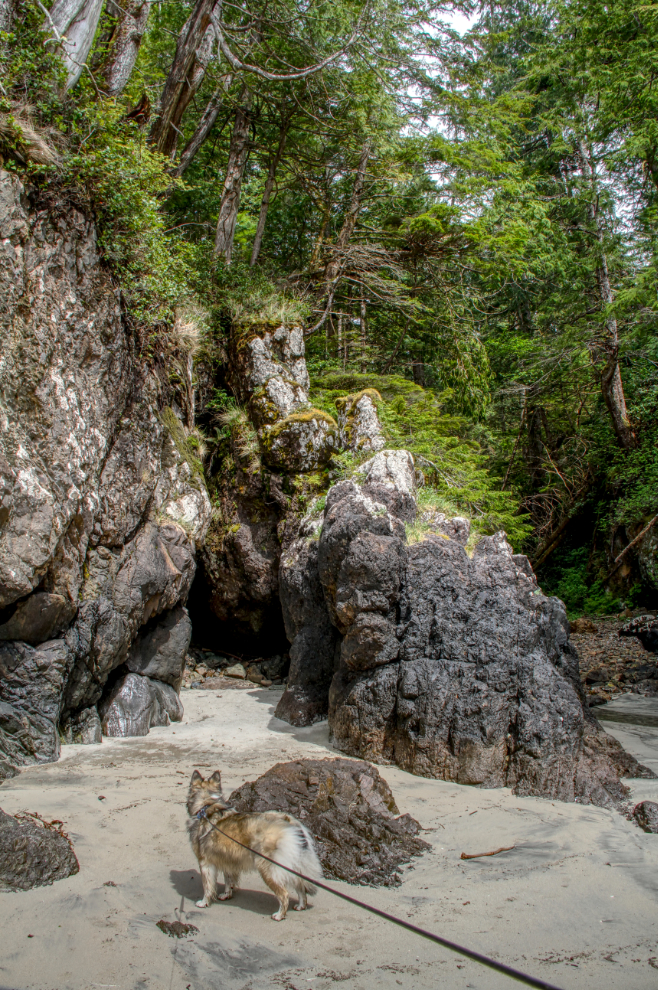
pixel 187 883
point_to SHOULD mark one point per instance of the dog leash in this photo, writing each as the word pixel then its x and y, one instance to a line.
pixel 514 974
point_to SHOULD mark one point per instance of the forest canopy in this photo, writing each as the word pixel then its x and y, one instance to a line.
pixel 464 221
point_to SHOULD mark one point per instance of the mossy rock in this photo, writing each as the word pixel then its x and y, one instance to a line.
pixel 301 442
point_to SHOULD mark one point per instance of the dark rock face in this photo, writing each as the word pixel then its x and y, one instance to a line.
pixel 350 811
pixel 453 666
pixel 159 652
pixel 31 688
pixel 39 618
pixel 101 506
pixel 83 727
pixel 134 704
pixel 646 815
pixel 33 853
pixel 645 627
pixel 312 636
pixel 7 771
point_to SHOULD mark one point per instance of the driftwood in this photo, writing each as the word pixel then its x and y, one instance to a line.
pixel 494 852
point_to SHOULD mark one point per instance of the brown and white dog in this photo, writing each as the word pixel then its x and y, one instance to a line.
pixel 273 833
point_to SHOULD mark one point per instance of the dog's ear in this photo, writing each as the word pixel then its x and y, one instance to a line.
pixel 196 776
pixel 216 777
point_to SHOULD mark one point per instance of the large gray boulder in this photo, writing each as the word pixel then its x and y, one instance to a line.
pixel 134 704
pixel 450 665
pixel 159 651
pixel 33 853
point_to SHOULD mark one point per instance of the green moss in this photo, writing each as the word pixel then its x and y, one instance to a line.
pixel 307 416
pixel 181 441
pixel 348 402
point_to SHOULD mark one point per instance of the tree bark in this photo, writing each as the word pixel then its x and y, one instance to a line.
pixel 75 22
pixel 230 203
pixel 125 45
pixel 204 128
pixel 363 332
pixel 267 193
pixel 334 264
pixel 187 71
pixel 610 378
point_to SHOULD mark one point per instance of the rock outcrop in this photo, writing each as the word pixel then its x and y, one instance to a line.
pixel 450 665
pixel 102 504
pixel 33 853
pixel 359 428
pixel 645 627
pixel 284 437
pixel 349 809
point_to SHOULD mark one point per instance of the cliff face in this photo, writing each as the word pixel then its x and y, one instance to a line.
pixel 102 507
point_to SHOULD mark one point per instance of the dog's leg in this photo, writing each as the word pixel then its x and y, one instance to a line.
pixel 280 892
pixel 230 881
pixel 209 880
pixel 302 901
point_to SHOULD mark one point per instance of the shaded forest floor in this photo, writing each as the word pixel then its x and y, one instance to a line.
pixel 611 664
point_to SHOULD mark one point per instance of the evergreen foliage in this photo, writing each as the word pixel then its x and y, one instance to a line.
pixel 465 223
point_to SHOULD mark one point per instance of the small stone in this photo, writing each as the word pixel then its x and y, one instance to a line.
pixel 237 670
pixel 646 815
pixel 582 626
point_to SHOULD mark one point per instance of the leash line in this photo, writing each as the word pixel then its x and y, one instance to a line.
pixel 478 957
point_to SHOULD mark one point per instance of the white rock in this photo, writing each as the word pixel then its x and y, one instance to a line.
pixel 393 468
pixel 237 670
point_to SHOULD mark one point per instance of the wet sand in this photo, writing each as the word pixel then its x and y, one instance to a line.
pixel 575 902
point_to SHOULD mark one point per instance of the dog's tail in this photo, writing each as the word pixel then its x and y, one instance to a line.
pixel 296 850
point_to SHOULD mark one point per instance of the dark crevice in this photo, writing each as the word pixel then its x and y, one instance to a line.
pixel 255 630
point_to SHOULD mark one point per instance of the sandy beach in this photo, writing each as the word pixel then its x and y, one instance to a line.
pixel 574 902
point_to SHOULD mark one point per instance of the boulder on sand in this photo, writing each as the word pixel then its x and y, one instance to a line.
pixel 349 809
pixel 135 704
pixel 33 852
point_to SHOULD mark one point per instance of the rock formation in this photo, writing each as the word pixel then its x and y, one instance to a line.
pixel 283 436
pixel 645 627
pixel 102 505
pixel 450 665
pixel 350 811
pixel 33 853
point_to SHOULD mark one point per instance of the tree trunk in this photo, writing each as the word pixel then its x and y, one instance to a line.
pixel 204 128
pixel 611 383
pixel 125 45
pixel 267 192
pixel 183 76
pixel 346 231
pixel 363 333
pixel 349 222
pixel 75 21
pixel 230 204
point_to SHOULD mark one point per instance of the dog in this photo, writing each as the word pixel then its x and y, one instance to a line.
pixel 273 833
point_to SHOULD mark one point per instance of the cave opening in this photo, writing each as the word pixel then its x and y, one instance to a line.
pixel 250 632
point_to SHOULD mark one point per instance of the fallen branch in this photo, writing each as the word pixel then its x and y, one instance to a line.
pixel 618 560
pixel 494 852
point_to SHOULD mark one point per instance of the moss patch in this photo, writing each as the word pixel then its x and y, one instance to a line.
pixel 176 431
pixel 348 402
